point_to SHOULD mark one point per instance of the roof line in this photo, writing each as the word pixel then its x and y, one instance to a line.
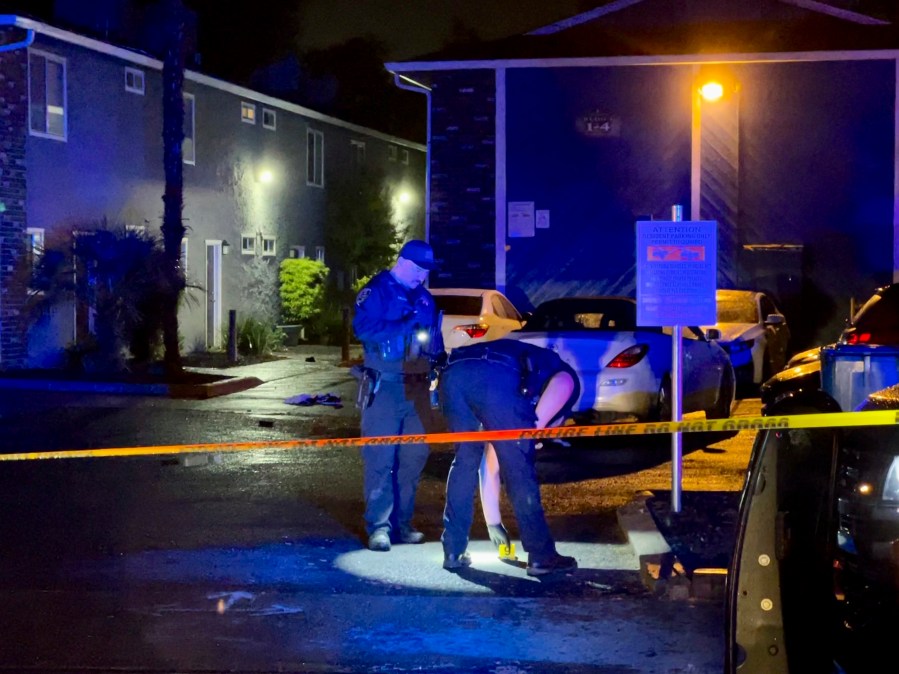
pixel 830 10
pixel 200 78
pixel 583 17
pixel 616 5
pixel 681 59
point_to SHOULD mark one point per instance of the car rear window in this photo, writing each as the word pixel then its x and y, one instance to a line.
pixel 877 322
pixel 461 305
pixel 737 309
pixel 577 316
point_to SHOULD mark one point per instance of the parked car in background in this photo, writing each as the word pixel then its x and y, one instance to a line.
pixel 625 370
pixel 754 333
pixel 474 315
pixel 838 376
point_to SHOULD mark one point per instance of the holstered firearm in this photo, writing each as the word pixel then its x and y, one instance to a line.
pixel 369 382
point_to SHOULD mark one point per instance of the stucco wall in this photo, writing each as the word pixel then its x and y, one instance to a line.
pixel 110 166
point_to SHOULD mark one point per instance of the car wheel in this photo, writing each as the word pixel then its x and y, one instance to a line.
pixel 721 410
pixel 662 412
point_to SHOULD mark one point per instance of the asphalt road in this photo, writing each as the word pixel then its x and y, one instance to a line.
pixel 255 562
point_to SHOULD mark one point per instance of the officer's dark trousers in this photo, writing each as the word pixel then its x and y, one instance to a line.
pixel 476 392
pixel 392 471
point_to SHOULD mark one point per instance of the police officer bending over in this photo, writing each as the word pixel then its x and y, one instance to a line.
pixel 498 385
pixel 397 322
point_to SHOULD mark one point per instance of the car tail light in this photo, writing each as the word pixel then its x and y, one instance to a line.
pixel 473 330
pixel 630 356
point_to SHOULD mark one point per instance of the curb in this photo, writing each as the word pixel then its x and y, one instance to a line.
pixel 660 570
pixel 213 389
pixel 199 391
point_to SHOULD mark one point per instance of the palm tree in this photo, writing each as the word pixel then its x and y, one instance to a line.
pixel 173 198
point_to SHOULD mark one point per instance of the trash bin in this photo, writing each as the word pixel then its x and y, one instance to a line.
pixel 850 372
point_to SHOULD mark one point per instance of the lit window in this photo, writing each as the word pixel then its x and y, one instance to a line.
pixel 404 156
pixel 34 247
pixel 268 118
pixel 391 153
pixel 298 251
pixel 320 254
pixel 268 245
pixel 248 244
pixel 47 95
pixel 189 146
pixel 247 112
pixel 134 81
pixel 315 158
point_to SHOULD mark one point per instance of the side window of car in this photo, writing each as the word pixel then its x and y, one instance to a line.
pixel 497 306
pixel 508 310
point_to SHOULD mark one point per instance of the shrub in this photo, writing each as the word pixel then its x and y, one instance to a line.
pixel 255 337
pixel 302 289
pixel 120 275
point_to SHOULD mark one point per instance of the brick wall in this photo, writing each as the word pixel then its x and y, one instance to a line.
pixel 463 179
pixel 13 120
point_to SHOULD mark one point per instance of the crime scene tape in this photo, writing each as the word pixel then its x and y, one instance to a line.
pixel 828 420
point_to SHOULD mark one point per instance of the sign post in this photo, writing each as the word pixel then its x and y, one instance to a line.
pixel 676 279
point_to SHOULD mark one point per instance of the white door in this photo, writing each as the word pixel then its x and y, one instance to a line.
pixel 213 294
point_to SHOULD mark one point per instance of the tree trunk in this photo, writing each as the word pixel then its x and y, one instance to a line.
pixel 172 138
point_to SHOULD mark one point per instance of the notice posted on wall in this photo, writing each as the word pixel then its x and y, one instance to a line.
pixel 542 218
pixel 676 272
pixel 521 218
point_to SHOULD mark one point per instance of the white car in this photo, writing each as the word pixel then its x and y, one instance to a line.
pixel 474 315
pixel 753 332
pixel 625 370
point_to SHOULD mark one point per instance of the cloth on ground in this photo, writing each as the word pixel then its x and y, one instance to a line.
pixel 306 400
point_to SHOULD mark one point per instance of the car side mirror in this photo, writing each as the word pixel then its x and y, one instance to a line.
pixel 774 319
pixel 713 334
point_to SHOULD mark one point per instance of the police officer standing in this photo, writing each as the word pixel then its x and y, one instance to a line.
pixel 498 385
pixel 397 321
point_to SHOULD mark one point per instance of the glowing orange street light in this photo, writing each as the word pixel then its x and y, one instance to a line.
pixel 711 91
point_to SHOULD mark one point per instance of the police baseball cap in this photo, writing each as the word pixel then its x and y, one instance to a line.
pixel 419 252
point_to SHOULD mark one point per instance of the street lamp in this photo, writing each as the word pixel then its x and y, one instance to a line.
pixel 718 87
pixel 711 91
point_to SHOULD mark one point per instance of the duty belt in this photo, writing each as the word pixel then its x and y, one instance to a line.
pixel 402 376
pixel 458 355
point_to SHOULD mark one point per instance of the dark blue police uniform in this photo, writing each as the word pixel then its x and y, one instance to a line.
pixel 400 334
pixel 497 385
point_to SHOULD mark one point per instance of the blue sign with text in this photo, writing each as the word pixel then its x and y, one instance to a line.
pixel 676 272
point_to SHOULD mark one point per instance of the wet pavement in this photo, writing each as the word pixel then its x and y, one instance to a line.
pixel 227 572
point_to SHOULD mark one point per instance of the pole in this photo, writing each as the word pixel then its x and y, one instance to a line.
pixel 677 390
pixel 232 336
pixel 345 335
pixel 677 397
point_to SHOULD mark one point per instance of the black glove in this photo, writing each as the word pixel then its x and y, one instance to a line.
pixel 438 360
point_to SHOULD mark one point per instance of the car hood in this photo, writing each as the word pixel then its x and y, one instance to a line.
pixel 789 378
pixel 731 332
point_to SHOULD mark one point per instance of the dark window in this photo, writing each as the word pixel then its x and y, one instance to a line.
pixel 459 305
pixel 584 314
pixel 877 322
